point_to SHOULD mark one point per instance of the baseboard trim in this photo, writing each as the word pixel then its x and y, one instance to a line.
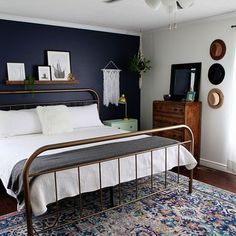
pixel 214 165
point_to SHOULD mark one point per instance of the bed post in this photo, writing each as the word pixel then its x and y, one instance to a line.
pixel 191 181
pixel 28 205
pixel 191 171
pixel 111 196
pixel 28 209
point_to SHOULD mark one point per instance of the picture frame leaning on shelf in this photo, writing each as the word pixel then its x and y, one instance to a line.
pixel 59 61
pixel 16 71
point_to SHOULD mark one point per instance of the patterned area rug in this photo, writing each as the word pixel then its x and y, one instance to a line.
pixel 207 211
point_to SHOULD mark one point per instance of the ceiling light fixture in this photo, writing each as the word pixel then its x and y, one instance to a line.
pixel 182 4
pixel 171 5
pixel 154 4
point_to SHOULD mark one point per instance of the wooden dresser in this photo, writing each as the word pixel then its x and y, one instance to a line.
pixel 167 113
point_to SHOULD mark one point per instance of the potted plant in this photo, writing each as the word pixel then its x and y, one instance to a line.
pixel 139 64
pixel 29 83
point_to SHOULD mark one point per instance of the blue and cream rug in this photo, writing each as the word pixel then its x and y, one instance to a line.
pixel 207 211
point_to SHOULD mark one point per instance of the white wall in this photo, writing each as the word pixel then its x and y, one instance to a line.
pixel 190 43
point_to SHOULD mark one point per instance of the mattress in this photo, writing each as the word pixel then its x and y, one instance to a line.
pixel 14 149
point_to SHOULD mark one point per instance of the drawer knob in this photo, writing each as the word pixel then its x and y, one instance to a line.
pixel 131 127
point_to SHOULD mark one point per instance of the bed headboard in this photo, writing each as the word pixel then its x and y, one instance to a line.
pixel 69 97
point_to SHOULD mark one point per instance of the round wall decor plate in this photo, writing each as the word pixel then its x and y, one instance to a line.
pixel 215 98
pixel 216 73
pixel 217 49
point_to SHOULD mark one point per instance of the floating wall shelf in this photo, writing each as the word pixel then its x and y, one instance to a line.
pixel 12 82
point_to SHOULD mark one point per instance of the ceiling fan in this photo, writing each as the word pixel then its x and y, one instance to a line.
pixel 171 5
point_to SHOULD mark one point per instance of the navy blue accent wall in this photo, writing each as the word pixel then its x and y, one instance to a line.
pixel 90 52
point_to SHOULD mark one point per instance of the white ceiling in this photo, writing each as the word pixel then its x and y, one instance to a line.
pixel 128 15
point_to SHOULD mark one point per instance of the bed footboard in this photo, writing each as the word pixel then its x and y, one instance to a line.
pixel 27 175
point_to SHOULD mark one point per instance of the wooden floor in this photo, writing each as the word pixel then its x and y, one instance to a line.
pixel 214 177
pixel 207 175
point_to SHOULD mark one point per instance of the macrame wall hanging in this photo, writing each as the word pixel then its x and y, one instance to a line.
pixel 111 84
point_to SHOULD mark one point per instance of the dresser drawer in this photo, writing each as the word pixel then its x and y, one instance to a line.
pixel 169 108
pixel 129 126
pixel 163 121
pixel 173 134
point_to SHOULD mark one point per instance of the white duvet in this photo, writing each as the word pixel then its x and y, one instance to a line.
pixel 14 149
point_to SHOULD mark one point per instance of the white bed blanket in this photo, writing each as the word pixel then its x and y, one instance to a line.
pixel 16 148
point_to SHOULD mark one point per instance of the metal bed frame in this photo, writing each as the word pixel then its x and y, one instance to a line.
pixel 95 99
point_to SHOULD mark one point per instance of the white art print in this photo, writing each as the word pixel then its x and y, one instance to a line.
pixel 16 71
pixel 44 73
pixel 60 64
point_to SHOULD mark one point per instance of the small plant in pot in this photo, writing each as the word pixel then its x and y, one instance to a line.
pixel 139 64
pixel 29 83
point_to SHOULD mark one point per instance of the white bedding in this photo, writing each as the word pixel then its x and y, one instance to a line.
pixel 14 149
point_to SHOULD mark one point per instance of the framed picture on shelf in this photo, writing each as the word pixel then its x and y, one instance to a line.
pixel 16 71
pixel 44 73
pixel 190 96
pixel 59 61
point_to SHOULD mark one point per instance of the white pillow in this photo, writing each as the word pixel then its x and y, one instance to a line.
pixel 85 116
pixel 19 122
pixel 54 119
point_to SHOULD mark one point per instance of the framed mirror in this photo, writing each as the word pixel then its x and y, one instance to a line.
pixel 185 78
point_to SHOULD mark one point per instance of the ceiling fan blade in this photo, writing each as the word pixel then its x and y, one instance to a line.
pixel 182 4
pixel 168 3
pixel 109 1
pixel 154 4
pixel 178 5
